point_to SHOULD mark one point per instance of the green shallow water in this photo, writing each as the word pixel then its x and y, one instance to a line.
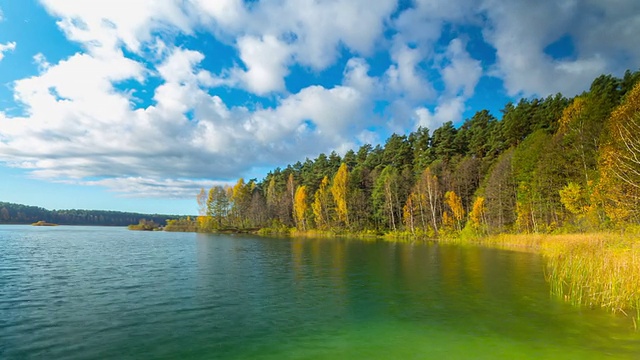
pixel 109 293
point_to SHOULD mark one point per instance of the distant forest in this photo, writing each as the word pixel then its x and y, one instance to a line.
pixel 549 164
pixel 22 214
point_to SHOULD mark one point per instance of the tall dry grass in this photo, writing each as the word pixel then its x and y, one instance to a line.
pixel 597 269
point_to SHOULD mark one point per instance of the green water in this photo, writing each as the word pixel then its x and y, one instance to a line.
pixel 109 293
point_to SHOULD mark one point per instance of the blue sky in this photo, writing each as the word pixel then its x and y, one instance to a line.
pixel 134 105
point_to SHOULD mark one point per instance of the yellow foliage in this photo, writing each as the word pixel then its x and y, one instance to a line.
pixel 320 205
pixel 455 204
pixel 524 217
pixel 571 113
pixel 574 199
pixel 447 220
pixel 619 164
pixel 409 210
pixel 339 192
pixel 477 214
pixel 300 207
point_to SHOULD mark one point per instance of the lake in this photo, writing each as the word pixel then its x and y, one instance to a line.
pixel 109 293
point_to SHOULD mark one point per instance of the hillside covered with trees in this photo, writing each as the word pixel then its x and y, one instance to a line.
pixel 23 214
pixel 549 164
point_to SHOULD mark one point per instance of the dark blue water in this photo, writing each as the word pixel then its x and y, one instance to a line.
pixel 110 293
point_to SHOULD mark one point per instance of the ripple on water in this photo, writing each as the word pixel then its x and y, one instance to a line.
pixel 106 293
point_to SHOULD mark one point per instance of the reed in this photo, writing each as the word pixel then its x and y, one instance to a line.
pixel 597 269
pixel 593 269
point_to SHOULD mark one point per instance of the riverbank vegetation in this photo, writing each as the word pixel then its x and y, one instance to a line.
pixel 600 269
pixel 552 165
pixel 145 225
pixel 43 223
pixel 186 224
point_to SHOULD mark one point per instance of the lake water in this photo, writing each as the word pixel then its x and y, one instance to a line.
pixel 110 293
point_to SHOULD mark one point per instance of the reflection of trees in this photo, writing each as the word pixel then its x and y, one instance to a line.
pixel 318 268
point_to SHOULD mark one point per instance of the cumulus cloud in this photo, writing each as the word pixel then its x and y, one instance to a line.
pixel 150 188
pixel 449 109
pixel 404 76
pixel 79 125
pixel 80 128
pixel 316 30
pixel 309 33
pixel 9 46
pixel 460 72
pixel 602 34
pixel 266 60
pixel 105 25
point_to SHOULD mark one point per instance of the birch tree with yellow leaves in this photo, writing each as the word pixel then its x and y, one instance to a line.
pixel 300 207
pixel 339 191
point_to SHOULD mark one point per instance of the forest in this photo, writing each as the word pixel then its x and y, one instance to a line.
pixel 11 213
pixel 551 164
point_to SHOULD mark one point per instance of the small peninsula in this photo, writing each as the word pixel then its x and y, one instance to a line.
pixel 43 223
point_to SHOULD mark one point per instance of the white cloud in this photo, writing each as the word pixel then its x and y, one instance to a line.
pixel 151 188
pixel 41 61
pixel 448 110
pixel 304 32
pixel 104 25
pixel 415 58
pixel 10 46
pixel 461 73
pixel 405 77
pixel 230 15
pixel 267 61
pixel 78 126
pixel 356 75
pixel 603 34
pixel 422 24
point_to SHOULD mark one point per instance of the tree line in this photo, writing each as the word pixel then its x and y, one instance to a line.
pixel 11 213
pixel 549 163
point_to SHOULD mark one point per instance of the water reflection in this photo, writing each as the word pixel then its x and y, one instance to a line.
pixel 115 294
pixel 480 291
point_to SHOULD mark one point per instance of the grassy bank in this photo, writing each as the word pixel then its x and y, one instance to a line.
pixel 595 269
pixel 293 232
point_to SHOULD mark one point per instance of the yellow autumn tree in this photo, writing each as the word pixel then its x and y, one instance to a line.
pixel 477 216
pixel 447 221
pixel 240 202
pixel 300 207
pixel 573 111
pixel 339 192
pixel 320 205
pixel 574 199
pixel 455 205
pixel 619 164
